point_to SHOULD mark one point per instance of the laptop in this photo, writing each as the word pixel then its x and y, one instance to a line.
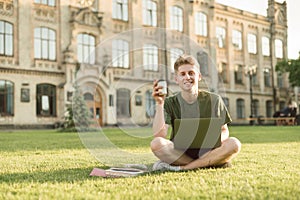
pixel 197 133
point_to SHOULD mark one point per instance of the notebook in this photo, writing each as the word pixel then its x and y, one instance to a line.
pixel 197 133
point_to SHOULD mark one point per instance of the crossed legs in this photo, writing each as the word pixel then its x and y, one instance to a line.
pixel 165 151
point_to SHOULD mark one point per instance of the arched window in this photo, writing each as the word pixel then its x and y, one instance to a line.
pixel 44 43
pixel 150 57
pixel 174 54
pixel 269 108
pixel 6 38
pixel 6 98
pixel 149 13
pixel 120 53
pixel 46 100
pixel 176 14
pixel 255 108
pixel 240 108
pixel 120 10
pixel 88 97
pixel 201 24
pixel 86 48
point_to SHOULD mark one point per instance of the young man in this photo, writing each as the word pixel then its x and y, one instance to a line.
pixel 189 103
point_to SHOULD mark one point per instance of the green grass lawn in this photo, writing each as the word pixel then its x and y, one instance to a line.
pixel 54 165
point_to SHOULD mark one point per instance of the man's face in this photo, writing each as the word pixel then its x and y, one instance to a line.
pixel 188 77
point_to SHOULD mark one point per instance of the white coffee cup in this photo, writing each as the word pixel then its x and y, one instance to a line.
pixel 163 90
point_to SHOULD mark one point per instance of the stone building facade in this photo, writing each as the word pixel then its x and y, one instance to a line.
pixel 115 49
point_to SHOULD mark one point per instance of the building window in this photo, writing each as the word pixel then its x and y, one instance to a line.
pixel 46 100
pixel 265 46
pixel 123 103
pixel 149 13
pixel 6 38
pixel 88 97
pixel 176 18
pixel 278 48
pixel 281 105
pixel 150 104
pixel 45 2
pixel 6 98
pixel 120 53
pixel 252 43
pixel 240 108
pixel 86 48
pixel 150 57
pixel 202 59
pixel 254 79
pixel 111 100
pixel 200 24
pixel 174 54
pixel 255 108
pixel 223 73
pixel 269 108
pixel 120 10
pixel 44 43
pixel 237 39
pixel 267 77
pixel 221 35
pixel 238 74
pixel 279 80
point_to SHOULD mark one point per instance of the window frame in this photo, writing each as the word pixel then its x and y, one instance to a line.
pixel 174 54
pixel 265 44
pixel 269 108
pixel 123 103
pixel 221 36
pixel 149 13
pixel 7 38
pixel 150 57
pixel 237 40
pixel 238 74
pixel 45 45
pixel 46 2
pixel 267 77
pixel 240 108
pixel 120 10
pixel 47 90
pixel 86 44
pixel 252 43
pixel 201 24
pixel 120 53
pixel 176 18
pixel 7 98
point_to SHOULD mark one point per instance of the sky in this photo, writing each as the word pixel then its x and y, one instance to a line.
pixel 260 7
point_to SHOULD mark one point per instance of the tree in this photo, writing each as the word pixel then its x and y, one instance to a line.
pixel 293 68
pixel 78 116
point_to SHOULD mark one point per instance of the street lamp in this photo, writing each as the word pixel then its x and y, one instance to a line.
pixel 250 71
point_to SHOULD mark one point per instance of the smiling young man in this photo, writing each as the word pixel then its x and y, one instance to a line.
pixel 190 102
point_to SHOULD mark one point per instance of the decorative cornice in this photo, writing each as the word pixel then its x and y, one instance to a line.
pixel 30 72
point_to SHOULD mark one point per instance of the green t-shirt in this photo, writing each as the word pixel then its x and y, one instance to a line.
pixel 208 105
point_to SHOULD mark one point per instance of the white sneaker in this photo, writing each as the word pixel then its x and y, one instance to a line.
pixel 162 166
